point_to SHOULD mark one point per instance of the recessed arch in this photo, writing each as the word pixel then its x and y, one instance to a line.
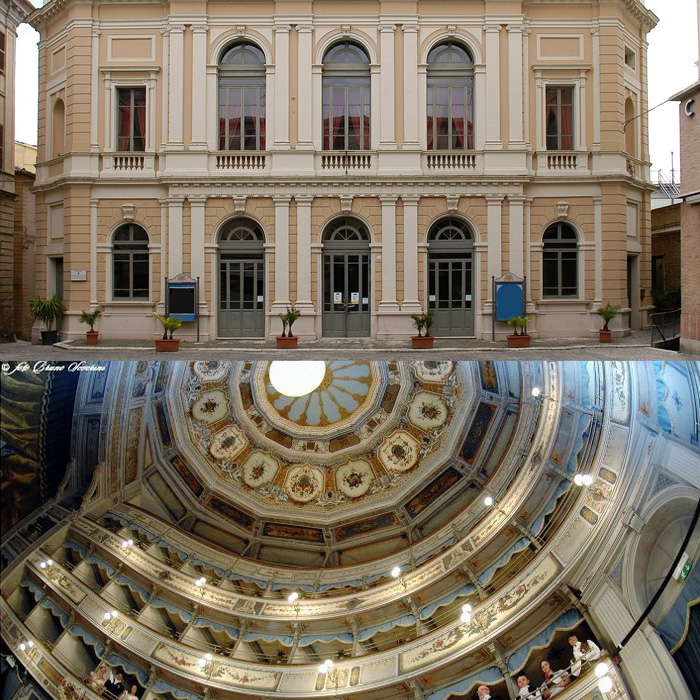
pixel 337 37
pixel 58 128
pixel 219 48
pixel 469 42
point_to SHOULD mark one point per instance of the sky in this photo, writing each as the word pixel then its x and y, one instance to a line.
pixel 673 56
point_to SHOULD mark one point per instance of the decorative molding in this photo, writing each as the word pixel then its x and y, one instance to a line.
pixel 346 203
pixel 199 29
pixel 240 30
pixel 284 28
pixel 492 28
pixel 345 29
pixel 452 202
pixel 562 208
pixel 239 204
pixel 387 28
pixel 451 29
pixel 128 211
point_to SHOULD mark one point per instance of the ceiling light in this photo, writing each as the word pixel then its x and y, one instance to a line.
pixel 587 479
pixel 30 643
pixel 605 684
pixel 107 616
pixel 127 543
pixel 466 617
pixel 467 608
pixel 42 564
pixel 601 669
pixel 202 663
pixel 578 480
pixel 488 501
pixel 536 391
pixel 208 657
pixel 200 581
pixel 22 646
pixel 114 613
pixel 49 562
pixel 297 378
pixel 396 571
pixel 292 596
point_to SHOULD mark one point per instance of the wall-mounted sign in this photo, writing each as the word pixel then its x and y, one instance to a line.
pixel 78 275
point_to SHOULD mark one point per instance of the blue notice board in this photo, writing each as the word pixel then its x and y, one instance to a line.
pixel 509 300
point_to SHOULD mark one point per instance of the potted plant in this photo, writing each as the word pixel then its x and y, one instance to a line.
pixel 168 343
pixel 607 313
pixel 48 311
pixel 522 339
pixel 90 318
pixel 287 340
pixel 423 322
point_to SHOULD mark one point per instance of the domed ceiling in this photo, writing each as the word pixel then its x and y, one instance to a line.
pixel 385 452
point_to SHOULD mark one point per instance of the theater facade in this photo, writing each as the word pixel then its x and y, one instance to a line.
pixel 362 162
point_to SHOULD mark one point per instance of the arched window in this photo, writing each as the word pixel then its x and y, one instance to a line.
pixel 58 132
pixel 130 263
pixel 346 98
pixel 450 98
pixel 345 230
pixel 560 261
pixel 242 98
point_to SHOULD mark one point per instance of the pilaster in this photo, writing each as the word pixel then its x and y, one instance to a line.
pixel 388 303
pixel 410 87
pixel 493 236
pixel 305 88
pixel 199 88
pixel 516 227
pixel 410 304
pixel 197 257
pixel 515 86
pixel 493 87
pixel 387 138
pixel 281 92
pixel 303 271
pixel 281 298
pixel 175 206
pixel 175 103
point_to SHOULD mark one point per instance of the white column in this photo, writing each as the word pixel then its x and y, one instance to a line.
pixel 109 144
pixel 316 110
pixel 526 85
pixel 582 107
pixel 528 254
pixel 163 251
pixel 177 83
pixel 165 86
pixel 199 88
pixel 94 91
pixel 281 87
pixel 388 303
pixel 515 85
pixel 212 99
pixel 93 253
pixel 598 228
pixel 595 31
pixel 197 258
pixel 493 236
pixel 493 87
pixel 281 301
pixel 387 138
pixel 410 304
pixel 305 101
pixel 410 87
pixel 175 205
pixel 151 107
pixel 515 234
pixel 304 252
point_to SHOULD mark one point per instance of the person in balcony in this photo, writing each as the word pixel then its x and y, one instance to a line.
pixel 524 689
pixel 483 692
pixel 583 652
pixel 96 680
pixel 130 695
pixel 114 687
pixel 556 681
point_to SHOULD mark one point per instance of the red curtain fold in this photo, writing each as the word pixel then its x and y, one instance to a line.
pixel 567 134
pixel 140 122
pixel 124 127
pixel 458 116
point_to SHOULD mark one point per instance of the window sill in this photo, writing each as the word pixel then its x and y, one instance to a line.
pixel 560 302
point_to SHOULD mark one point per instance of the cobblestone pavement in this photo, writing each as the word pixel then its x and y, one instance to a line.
pixel 633 347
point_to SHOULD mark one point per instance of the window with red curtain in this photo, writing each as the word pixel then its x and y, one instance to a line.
pixel 242 98
pixel 131 119
pixel 559 118
pixel 450 108
pixel 346 98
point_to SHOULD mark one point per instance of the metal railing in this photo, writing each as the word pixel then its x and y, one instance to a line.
pixel 666 329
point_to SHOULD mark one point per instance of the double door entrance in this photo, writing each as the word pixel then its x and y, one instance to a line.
pixel 241 297
pixel 450 294
pixel 346 294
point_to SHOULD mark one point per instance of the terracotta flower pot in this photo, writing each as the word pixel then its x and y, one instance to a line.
pixel 422 342
pixel 92 337
pixel 167 345
pixel 518 341
pixel 605 336
pixel 287 343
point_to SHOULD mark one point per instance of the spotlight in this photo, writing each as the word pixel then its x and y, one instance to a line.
pixel 292 596
pixel 127 543
pixel 202 663
pixel 325 666
pixel 30 643
pixel 536 391
pixel 208 657
pixel 466 616
pixel 22 646
pixel 42 564
pixel 488 501
pixel 605 684
pixel 107 616
pixel 578 480
pixel 467 608
pixel 200 581
pixel 601 669
pixel 49 562
pixel 114 613
pixel 587 479
pixel 396 571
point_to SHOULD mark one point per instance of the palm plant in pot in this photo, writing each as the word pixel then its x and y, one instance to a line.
pixel 287 340
pixel 90 318
pixel 48 311
pixel 522 339
pixel 167 343
pixel 422 322
pixel 607 313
